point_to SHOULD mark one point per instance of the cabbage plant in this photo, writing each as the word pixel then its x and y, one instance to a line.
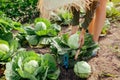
pixel 7 49
pixel 4 49
pixel 112 12
pixel 65 44
pixel 27 65
pixel 40 34
pixel 82 69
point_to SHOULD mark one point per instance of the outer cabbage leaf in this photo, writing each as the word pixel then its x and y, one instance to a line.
pixel 10 74
pixel 54 76
pixel 47 22
pixel 32 39
pixel 48 60
pixel 56 27
pixel 48 32
pixel 44 41
pixel 50 63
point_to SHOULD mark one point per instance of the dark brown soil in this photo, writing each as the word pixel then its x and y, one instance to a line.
pixel 2 68
pixel 68 75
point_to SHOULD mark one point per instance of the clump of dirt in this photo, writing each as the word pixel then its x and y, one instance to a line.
pixel 2 68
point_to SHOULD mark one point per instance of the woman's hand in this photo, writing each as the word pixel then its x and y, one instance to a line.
pixel 81 40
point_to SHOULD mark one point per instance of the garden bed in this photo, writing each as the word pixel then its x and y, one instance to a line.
pixel 106 66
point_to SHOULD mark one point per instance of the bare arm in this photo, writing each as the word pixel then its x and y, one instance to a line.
pixel 89 14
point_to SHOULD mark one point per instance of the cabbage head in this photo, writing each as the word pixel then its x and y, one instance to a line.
pixel 31 66
pixel 40 26
pixel 82 69
pixel 73 41
pixel 4 50
pixel 109 6
pixel 4 46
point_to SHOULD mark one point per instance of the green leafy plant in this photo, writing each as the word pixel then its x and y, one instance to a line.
pixel 62 17
pixel 82 69
pixel 19 10
pixel 112 12
pixel 31 66
pixel 7 25
pixel 40 34
pixel 106 27
pixel 7 38
pixel 61 46
pixel 7 50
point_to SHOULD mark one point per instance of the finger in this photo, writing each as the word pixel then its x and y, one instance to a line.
pixel 77 54
pixel 80 42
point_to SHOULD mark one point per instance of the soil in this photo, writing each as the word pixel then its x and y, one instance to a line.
pixel 106 66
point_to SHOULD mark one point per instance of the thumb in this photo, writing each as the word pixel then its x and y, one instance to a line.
pixel 81 41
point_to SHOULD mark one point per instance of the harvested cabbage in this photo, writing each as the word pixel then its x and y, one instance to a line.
pixel 82 69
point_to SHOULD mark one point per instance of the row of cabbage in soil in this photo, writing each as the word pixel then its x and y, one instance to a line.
pixel 22 64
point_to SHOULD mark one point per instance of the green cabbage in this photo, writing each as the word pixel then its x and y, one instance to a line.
pixel 82 69
pixel 31 66
pixel 40 26
pixel 4 46
pixel 73 41
pixel 109 5
pixel 47 22
pixel 27 65
pixel 4 51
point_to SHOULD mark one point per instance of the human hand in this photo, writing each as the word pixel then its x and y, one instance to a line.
pixel 81 39
pixel 81 42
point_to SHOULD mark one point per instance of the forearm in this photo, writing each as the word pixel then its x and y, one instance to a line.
pixel 76 15
pixel 89 14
